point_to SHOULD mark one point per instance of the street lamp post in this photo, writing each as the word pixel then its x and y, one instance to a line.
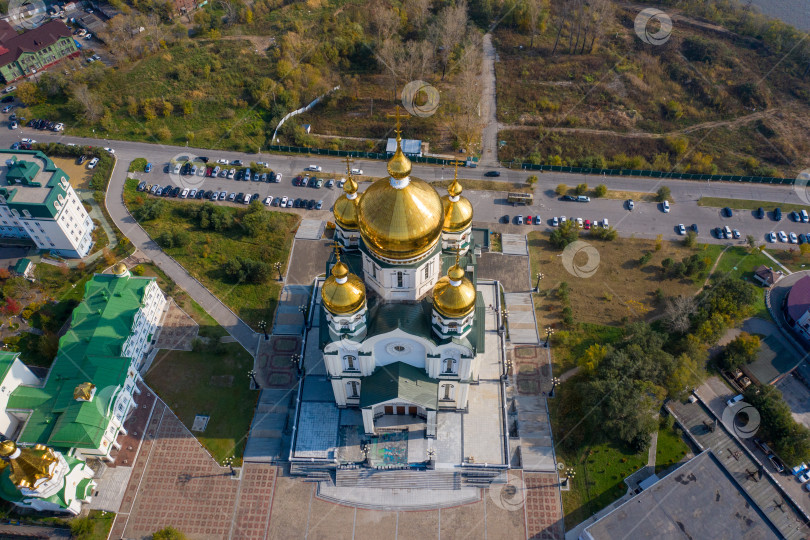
pixel 504 319
pixel 252 375
pixel 295 359
pixel 229 463
pixel 554 382
pixel 277 266
pixel 549 332
pixel 569 475
pixel 303 308
pixel 539 277
pixel 263 328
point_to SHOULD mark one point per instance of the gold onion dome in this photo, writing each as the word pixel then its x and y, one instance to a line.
pixel 458 211
pixel 28 465
pixel 454 294
pixel 343 293
pixel 120 269
pixel 345 208
pixel 399 166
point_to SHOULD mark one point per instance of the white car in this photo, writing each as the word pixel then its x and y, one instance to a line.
pixel 92 163
pixel 555 222
pixel 519 220
pixel 563 219
pixel 771 236
pixel 231 174
pixel 341 182
pixel 579 221
pixel 222 161
pixel 681 229
pixel 782 236
pixel 59 127
pixel 278 177
pixel 192 193
pixel 665 206
pixel 605 223
pixel 8 89
pixel 283 202
pixel 201 171
pixel 316 168
pixel 184 194
pixel 29 141
pixel 13 125
pixel 630 204
pixel 268 200
pixel 215 196
pixel 354 171
pixel 110 150
pixel 793 238
pixel 734 400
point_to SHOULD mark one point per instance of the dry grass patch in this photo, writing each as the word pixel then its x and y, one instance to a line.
pixel 620 291
pixel 79 174
pixel 485 185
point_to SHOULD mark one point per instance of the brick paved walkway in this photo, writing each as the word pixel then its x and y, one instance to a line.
pixel 543 506
pixel 274 362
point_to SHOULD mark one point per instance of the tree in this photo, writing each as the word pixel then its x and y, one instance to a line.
pixel 678 313
pixel 581 189
pixel 12 307
pixel 752 242
pixel 687 375
pixel 561 190
pixel 600 191
pixel 740 351
pixel 29 93
pixel 690 240
pixel 48 344
pixel 169 533
pixel 565 234
pixel 86 104
pixel 82 528
pixel 532 180
pixel 448 31
pixel 789 439
pixel 663 194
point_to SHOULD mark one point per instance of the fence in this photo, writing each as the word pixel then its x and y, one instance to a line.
pixel 550 168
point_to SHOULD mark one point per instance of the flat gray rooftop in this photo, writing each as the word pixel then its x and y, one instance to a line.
pixel 27 194
pixel 698 500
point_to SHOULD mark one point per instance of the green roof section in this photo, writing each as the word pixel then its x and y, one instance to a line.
pixel 90 351
pixel 22 265
pixel 399 381
pixel 6 361
pixel 24 172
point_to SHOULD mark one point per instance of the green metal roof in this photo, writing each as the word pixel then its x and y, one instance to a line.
pixel 22 265
pixel 399 381
pixel 22 172
pixel 6 361
pixel 411 318
pixel 45 209
pixel 89 352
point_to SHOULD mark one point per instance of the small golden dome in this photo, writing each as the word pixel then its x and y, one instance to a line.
pixel 345 211
pixel 399 166
pixel 350 186
pixel 84 391
pixel 454 189
pixel 458 215
pixel 400 223
pixel 343 293
pixel 7 448
pixel 454 294
pixel 31 465
pixel 120 269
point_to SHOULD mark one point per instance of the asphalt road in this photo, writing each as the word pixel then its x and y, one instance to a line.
pixel 646 221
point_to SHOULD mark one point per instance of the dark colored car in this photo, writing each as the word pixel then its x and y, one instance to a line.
pixel 695 227
pixel 777 214
pixel 505 219
pixel 492 173
pixel 759 213
pixel 568 198
pixel 313 182
pixel 236 163
pixel 795 216
pixel 200 194
pixel 255 197
pixel 718 232
pixel 201 159
pixel 80 160
pixel 310 205
pixel 7 99
pixel 727 212
pixel 176 192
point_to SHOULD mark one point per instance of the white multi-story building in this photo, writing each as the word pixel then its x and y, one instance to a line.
pixel 38 202
pixel 81 406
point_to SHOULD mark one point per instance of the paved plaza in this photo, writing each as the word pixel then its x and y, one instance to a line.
pixel 274 364
pixel 177 329
pixel 521 322
pixel 514 244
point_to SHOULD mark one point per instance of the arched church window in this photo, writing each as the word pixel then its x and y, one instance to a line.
pixel 352 389
pixel 449 365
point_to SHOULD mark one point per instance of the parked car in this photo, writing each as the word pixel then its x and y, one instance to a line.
pixel 148 168
pixel 222 162
pixel 734 400
pixel 7 99
pixel 59 126
pixel 529 220
pixel 92 164
pixel 284 201
pixel 316 168
pixel 583 198
pixel 727 232
pixel 141 186
pixel 8 108
pixel 110 150
pixel 665 206
pixel 771 236
pixel 587 224
pixel 793 238
pixel 505 218
pixel 13 125
pixel 726 212
pixel 777 463
pixel 276 177
pixel 568 198
pixel 9 89
pixel 735 233
pixel 630 204
pixel 681 229
pixel 492 174
pixel 695 227
pixel 537 220
pixel 319 183
pixel 805 216
pixel 268 200
pixel 319 204
pixel 759 213
pixel 782 236
pixel 555 222
pixel 184 193
pixel 192 193
pixel 356 171
pixel 519 220
pixel 795 216
pixel 777 214
pixel 330 183
pixel 29 141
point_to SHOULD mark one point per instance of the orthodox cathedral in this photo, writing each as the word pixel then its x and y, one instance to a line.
pixel 402 325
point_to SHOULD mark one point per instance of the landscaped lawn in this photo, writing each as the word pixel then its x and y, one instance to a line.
pixel 671 448
pixel 600 472
pixel 207 251
pixel 743 204
pixel 738 261
pixel 212 382
pixel 569 345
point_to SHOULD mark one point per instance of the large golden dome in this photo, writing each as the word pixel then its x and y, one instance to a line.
pixel 343 293
pixel 30 465
pixel 458 212
pixel 454 294
pixel 345 208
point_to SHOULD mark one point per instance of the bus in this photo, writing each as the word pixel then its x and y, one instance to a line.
pixel 520 198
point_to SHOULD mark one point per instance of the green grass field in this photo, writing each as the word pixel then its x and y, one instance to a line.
pixel 671 448
pixel 213 383
pixel 745 204
pixel 207 251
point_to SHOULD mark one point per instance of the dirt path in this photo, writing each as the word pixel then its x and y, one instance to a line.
pixel 645 135
pixel 261 43
pixel 489 135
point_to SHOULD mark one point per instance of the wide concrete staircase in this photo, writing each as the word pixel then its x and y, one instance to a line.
pixel 266 432
pixel 397 479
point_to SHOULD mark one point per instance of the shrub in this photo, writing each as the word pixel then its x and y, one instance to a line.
pixel 645 258
pixel 565 234
pixel 561 190
pixel 690 240
pixel 581 189
pixel 137 270
pixel 663 194
pixel 600 191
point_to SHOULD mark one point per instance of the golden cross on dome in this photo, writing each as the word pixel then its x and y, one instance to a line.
pixel 456 163
pixel 337 250
pixel 349 165
pixel 398 129
pixel 458 254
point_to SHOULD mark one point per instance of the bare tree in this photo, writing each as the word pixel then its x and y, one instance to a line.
pixel 418 12
pixel 90 104
pixel 418 60
pixel 561 20
pixel 449 31
pixel 383 21
pixel 463 113
pixel 389 54
pixel 677 313
pixel 537 14
pixel 231 11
